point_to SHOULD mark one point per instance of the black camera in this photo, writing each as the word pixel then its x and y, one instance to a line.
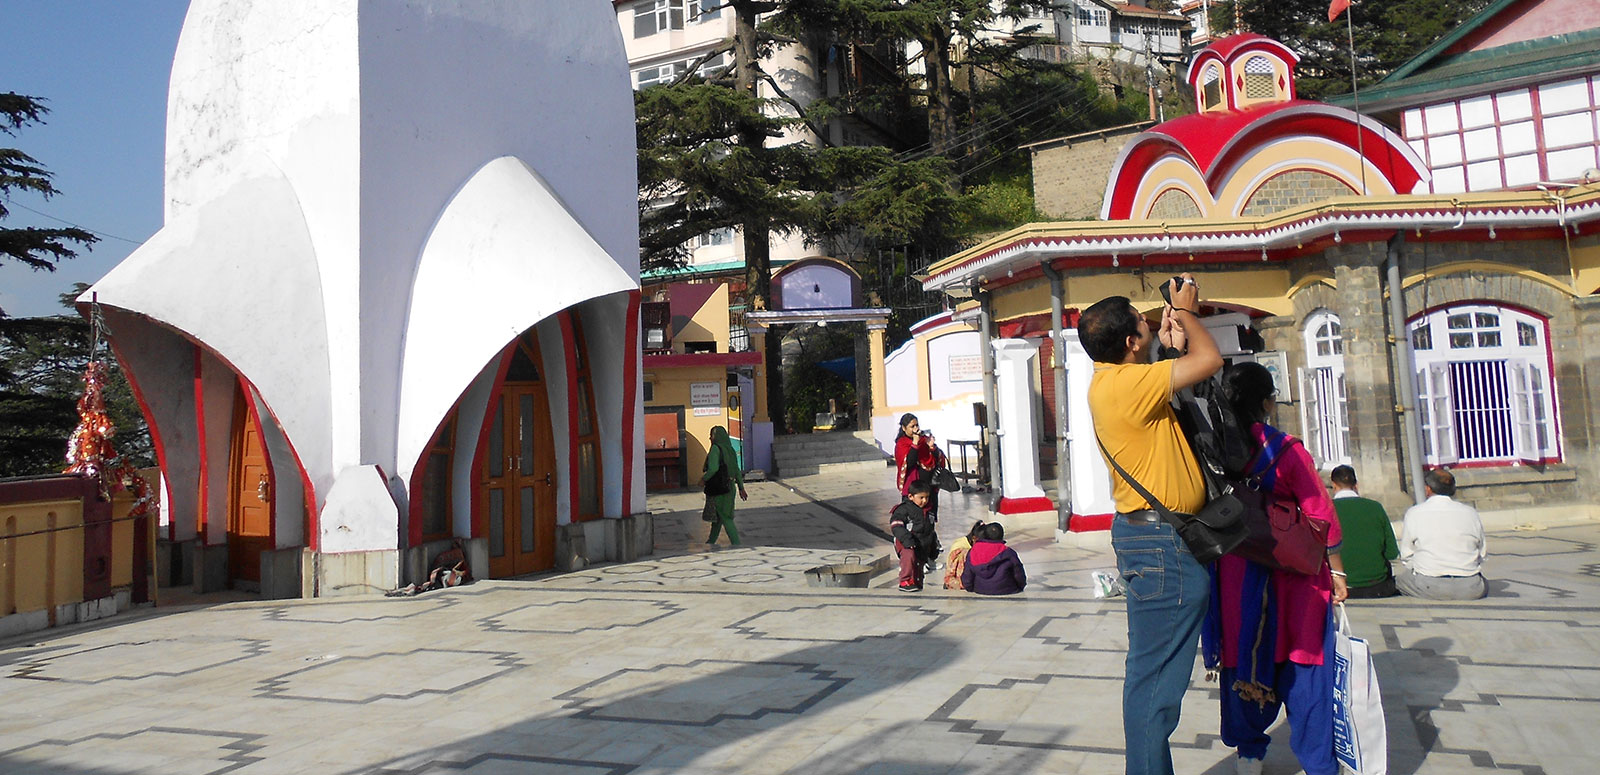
pixel 1166 288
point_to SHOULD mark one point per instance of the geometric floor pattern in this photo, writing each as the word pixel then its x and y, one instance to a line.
pixel 700 660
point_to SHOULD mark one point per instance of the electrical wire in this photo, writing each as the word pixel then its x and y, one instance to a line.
pixel 963 137
pixel 95 232
pixel 981 131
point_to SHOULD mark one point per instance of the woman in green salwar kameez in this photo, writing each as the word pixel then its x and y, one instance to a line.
pixel 720 456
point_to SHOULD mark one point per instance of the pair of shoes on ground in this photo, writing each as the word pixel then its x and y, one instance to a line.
pixel 910 587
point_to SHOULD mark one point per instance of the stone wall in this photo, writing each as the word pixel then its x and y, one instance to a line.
pixel 1294 188
pixel 1358 296
pixel 1174 204
pixel 1070 174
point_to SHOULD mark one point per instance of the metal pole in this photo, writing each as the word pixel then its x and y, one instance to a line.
pixel 986 352
pixel 1405 373
pixel 1058 373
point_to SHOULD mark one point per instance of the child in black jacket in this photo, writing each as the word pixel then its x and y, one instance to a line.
pixel 915 540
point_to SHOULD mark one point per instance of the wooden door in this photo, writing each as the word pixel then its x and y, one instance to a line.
pixel 518 474
pixel 249 495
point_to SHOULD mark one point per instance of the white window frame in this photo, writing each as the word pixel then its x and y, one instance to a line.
pixel 653 16
pixel 1212 75
pixel 1324 404
pixel 666 72
pixel 704 10
pixel 1484 396
pixel 713 238
pixel 1509 138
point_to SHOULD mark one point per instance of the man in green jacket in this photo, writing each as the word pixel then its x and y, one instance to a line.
pixel 1369 542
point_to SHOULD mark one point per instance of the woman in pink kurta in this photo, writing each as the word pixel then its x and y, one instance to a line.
pixel 1270 630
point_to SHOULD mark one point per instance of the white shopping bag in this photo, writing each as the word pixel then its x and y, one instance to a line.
pixel 1360 739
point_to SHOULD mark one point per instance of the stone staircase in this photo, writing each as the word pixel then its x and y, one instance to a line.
pixel 813 453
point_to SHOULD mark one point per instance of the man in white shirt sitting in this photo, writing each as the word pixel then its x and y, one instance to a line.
pixel 1441 545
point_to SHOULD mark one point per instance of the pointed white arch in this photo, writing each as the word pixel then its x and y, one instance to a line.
pixel 504 254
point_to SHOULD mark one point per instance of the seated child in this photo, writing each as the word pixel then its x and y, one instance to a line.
pixel 992 567
pixel 914 537
pixel 958 556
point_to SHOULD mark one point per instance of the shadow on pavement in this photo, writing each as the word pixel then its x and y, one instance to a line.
pixel 1415 682
pixel 701 715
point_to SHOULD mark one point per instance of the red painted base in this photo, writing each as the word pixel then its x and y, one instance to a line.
pixel 1088 523
pixel 1024 505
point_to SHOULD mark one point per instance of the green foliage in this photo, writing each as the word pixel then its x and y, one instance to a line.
pixel 696 174
pixel 42 361
pixel 808 387
pixel 19 172
pixel 896 201
pixel 1021 101
pixel 1386 35
pixel 999 205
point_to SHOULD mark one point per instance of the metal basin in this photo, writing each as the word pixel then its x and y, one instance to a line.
pixel 850 573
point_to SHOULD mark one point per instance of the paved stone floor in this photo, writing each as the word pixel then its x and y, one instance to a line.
pixel 701 660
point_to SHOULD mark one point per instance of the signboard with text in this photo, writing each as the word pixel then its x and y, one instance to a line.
pixel 966 368
pixel 705 398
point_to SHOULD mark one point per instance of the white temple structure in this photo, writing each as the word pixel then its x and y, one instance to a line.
pixel 395 299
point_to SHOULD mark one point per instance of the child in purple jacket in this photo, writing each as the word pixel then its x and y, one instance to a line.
pixel 992 567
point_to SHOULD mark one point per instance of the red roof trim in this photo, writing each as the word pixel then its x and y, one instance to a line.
pixel 1228 49
pixel 1216 142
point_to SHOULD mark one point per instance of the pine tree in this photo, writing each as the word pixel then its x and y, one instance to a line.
pixel 42 361
pixel 38 248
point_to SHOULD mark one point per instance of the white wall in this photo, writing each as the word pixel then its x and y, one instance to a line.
pixel 941 349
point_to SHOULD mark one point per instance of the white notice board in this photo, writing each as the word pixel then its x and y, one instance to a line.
pixel 706 398
pixel 966 368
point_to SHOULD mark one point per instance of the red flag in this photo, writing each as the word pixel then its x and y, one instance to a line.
pixel 1337 7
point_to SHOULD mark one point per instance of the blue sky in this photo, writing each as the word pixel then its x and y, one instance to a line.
pixel 103 66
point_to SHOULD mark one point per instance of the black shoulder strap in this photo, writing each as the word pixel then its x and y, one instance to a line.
pixel 1155 503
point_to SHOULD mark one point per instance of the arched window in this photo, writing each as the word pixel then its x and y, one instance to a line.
pixel 1211 87
pixel 1259 80
pixel 1484 388
pixel 1325 414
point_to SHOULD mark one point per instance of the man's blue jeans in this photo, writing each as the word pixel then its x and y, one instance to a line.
pixel 1168 592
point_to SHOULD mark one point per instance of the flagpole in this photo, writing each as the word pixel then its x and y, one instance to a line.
pixel 1355 92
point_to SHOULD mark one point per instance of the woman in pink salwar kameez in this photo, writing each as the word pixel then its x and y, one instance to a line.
pixel 1270 632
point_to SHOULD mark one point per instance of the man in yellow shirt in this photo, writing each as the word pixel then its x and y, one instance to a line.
pixel 1168 591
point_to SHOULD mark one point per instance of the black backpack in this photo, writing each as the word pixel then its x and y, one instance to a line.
pixel 1208 421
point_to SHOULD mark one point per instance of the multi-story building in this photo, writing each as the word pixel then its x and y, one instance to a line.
pixel 1126 31
pixel 665 39
pixel 1199 14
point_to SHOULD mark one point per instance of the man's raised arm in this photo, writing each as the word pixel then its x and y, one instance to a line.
pixel 1201 358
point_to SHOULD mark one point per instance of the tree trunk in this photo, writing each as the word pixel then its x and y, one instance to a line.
pixel 936 59
pixel 755 233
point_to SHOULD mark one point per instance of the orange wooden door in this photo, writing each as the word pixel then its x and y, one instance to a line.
pixel 249 496
pixel 518 475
